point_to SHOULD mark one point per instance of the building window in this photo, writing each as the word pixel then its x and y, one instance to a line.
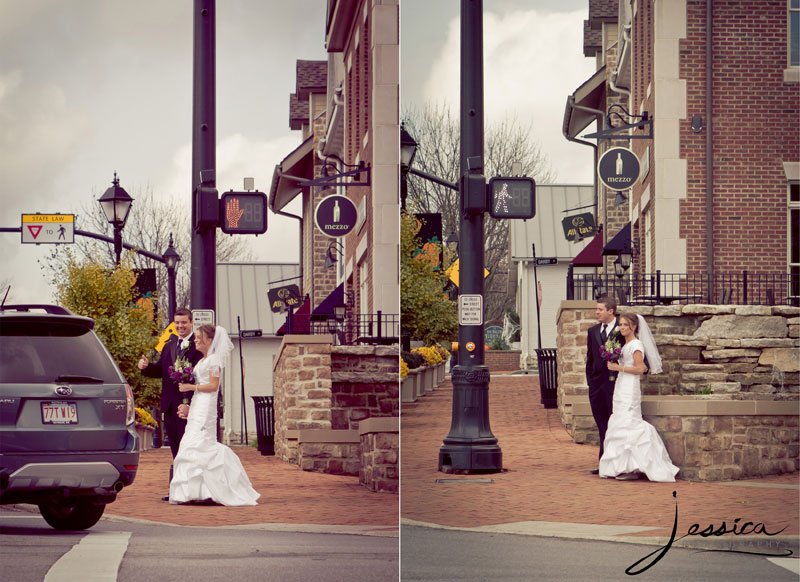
pixel 794 239
pixel 794 33
pixel 363 278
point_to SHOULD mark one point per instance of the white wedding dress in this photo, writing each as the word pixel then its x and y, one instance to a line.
pixel 204 468
pixel 631 443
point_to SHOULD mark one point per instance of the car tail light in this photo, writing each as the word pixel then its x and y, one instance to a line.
pixel 130 417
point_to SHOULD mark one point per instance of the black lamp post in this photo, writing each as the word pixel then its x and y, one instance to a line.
pixel 116 204
pixel 408 149
pixel 171 258
pixel 470 445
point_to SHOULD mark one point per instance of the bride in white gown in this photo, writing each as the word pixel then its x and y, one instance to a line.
pixel 632 446
pixel 205 469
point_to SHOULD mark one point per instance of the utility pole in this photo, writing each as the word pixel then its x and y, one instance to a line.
pixel 470 445
pixel 205 202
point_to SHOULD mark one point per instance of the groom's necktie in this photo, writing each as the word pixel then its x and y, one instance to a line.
pixel 603 334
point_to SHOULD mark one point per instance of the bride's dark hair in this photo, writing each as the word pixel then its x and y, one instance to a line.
pixel 208 330
pixel 632 320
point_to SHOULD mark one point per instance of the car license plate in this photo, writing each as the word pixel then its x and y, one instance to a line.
pixel 59 413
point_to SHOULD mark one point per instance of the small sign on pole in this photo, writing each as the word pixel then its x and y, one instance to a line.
pixel 48 228
pixel 470 310
pixel 250 333
pixel 203 317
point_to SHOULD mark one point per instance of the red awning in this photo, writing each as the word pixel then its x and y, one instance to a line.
pixel 592 254
pixel 300 324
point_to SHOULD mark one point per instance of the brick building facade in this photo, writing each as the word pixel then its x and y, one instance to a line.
pixel 721 171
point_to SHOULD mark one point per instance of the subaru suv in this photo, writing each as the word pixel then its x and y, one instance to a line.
pixel 67 436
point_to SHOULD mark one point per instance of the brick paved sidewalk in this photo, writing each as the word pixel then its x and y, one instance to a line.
pixel 548 479
pixel 288 496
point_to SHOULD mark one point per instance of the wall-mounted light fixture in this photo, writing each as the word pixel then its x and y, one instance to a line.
pixel 697 123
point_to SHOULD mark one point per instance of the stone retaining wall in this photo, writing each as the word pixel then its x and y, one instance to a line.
pixel 744 358
pixel 322 396
pixel 301 389
pixel 380 444
pixel 365 383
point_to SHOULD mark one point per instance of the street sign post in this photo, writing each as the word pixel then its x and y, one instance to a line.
pixel 546 261
pixel 48 228
pixel 250 333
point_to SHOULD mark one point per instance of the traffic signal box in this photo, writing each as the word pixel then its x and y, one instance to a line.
pixel 512 197
pixel 243 212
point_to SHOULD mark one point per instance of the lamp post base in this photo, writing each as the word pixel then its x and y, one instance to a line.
pixel 467 458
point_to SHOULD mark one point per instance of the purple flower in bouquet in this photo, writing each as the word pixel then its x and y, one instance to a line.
pixel 611 351
pixel 182 371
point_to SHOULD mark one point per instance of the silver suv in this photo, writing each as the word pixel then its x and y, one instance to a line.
pixel 67 437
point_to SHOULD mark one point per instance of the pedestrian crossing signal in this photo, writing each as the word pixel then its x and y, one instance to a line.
pixel 512 197
pixel 243 213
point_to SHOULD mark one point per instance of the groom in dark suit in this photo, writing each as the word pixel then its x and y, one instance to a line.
pixel 183 346
pixel 601 385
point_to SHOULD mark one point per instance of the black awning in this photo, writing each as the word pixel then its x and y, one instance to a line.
pixel 620 242
pixel 325 308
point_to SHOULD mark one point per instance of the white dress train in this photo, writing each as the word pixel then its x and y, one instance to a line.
pixel 204 468
pixel 631 443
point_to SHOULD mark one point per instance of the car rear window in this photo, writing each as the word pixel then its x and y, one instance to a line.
pixel 40 352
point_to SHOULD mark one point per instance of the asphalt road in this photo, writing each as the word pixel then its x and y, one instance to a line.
pixel 445 555
pixel 31 551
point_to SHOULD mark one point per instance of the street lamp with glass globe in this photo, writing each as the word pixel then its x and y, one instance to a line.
pixel 116 204
pixel 171 258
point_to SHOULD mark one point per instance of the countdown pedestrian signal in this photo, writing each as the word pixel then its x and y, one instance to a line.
pixel 243 212
pixel 512 197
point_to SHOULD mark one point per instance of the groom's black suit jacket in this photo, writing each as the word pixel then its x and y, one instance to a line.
pixel 597 372
pixel 171 397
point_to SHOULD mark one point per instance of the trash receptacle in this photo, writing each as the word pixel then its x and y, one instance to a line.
pixel 548 376
pixel 265 424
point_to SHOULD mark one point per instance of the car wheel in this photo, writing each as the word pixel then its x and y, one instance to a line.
pixel 71 515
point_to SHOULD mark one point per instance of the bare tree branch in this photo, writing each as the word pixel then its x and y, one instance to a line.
pixel 151 221
pixel 436 132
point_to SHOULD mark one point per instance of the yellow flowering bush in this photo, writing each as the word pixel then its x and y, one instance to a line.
pixel 403 369
pixel 144 417
pixel 431 354
pixel 442 352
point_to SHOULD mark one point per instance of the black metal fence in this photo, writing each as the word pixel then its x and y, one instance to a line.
pixel 681 288
pixel 358 328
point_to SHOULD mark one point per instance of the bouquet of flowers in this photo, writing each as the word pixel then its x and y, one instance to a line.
pixel 611 351
pixel 182 372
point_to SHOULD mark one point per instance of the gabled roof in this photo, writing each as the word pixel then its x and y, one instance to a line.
pixel 298 112
pixel 312 77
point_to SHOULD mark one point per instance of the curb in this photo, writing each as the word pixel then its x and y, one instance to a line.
pixel 775 546
pixel 309 528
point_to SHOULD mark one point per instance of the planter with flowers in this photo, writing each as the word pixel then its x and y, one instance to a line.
pixel 145 429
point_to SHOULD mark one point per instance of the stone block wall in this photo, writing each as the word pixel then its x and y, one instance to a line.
pixel 380 445
pixel 301 389
pixel 365 383
pixel 336 452
pixel 726 403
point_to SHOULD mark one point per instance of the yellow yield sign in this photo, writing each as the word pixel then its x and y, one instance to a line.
pixel 452 272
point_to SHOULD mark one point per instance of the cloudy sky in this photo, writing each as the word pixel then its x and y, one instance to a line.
pixel 97 86
pixel 533 59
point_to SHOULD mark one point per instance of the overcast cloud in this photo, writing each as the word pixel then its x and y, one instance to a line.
pixel 97 86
